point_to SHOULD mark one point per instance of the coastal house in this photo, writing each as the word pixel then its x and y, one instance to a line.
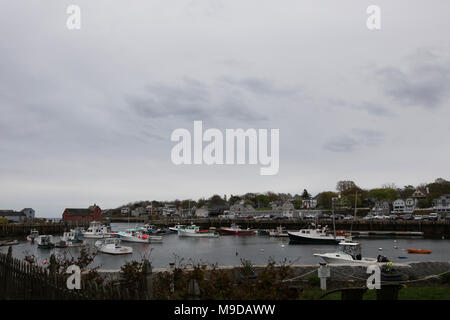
pixel 398 206
pixel 169 209
pixel 404 206
pixel 29 213
pixel 309 203
pixel 442 204
pixel 13 216
pixel 381 208
pixel 139 211
pixel 288 209
pixel 125 210
pixel 93 213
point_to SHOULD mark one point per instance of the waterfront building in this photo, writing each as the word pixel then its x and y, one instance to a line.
pixel 309 203
pixel 125 210
pixel 381 208
pixel 11 215
pixel 93 213
pixel 398 206
pixel 442 204
pixel 29 213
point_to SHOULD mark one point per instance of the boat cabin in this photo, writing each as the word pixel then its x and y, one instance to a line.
pixel 351 248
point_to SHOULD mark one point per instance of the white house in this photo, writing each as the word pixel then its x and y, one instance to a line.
pixel 29 213
pixel 125 210
pixel 442 204
pixel 309 203
pixel 410 205
pixel 381 208
pixel 398 206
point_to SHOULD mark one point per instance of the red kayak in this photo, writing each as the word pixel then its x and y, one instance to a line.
pixel 236 230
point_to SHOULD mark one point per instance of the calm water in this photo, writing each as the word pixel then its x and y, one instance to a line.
pixel 228 250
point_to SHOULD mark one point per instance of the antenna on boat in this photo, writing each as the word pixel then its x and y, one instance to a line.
pixel 354 216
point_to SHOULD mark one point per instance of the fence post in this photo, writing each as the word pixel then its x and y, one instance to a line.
pixel 148 278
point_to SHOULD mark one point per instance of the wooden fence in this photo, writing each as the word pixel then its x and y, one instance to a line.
pixel 20 280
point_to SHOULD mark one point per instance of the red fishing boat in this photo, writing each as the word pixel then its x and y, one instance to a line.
pixel 235 230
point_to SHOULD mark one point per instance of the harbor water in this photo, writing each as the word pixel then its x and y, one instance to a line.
pixel 229 250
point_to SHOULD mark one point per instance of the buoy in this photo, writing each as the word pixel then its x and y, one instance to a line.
pixel 380 249
pixel 395 241
pixel 282 245
pixel 395 247
pixel 44 262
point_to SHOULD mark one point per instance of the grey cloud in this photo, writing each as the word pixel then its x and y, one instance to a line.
pixel 421 83
pixel 356 139
pixel 191 100
pixel 371 108
pixel 258 86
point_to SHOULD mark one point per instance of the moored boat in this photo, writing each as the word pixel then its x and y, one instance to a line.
pixel 112 246
pixel 194 231
pixel 314 236
pixel 34 234
pixel 419 251
pixel 236 230
pixel 139 236
pixel 97 231
pixel 175 228
pixel 45 242
pixel 349 252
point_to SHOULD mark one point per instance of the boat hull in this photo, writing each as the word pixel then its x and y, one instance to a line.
pixel 332 259
pixel 183 233
pixel 228 231
pixel 299 239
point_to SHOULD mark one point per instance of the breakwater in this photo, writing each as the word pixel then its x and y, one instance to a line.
pixel 430 229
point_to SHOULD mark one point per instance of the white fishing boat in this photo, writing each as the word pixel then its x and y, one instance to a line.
pixel 70 239
pixel 314 236
pixel 112 246
pixel 194 231
pixel 97 231
pixel 139 235
pixel 349 253
pixel 34 234
pixel 45 242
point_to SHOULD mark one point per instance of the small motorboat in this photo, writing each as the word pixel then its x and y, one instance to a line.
pixel 70 239
pixel 315 236
pixel 9 243
pixel 194 231
pixel 139 235
pixel 45 242
pixel 236 230
pixel 112 246
pixel 97 231
pixel 349 252
pixel 34 234
pixel 419 251
pixel 279 232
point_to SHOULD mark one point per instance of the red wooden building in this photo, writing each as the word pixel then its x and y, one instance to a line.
pixel 93 213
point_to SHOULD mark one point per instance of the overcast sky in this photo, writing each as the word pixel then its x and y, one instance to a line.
pixel 86 115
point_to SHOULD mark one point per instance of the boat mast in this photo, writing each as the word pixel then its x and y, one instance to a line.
pixel 354 216
pixel 332 213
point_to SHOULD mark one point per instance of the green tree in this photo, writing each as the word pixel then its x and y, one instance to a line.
pixel 306 195
pixel 324 199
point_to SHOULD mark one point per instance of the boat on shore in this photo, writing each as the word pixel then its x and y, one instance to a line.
pixel 112 246
pixel 349 252
pixel 236 230
pixel 9 242
pixel 45 242
pixel 194 231
pixel 314 236
pixel 419 251
pixel 139 235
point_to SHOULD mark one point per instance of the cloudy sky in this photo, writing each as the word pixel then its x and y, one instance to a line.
pixel 86 115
